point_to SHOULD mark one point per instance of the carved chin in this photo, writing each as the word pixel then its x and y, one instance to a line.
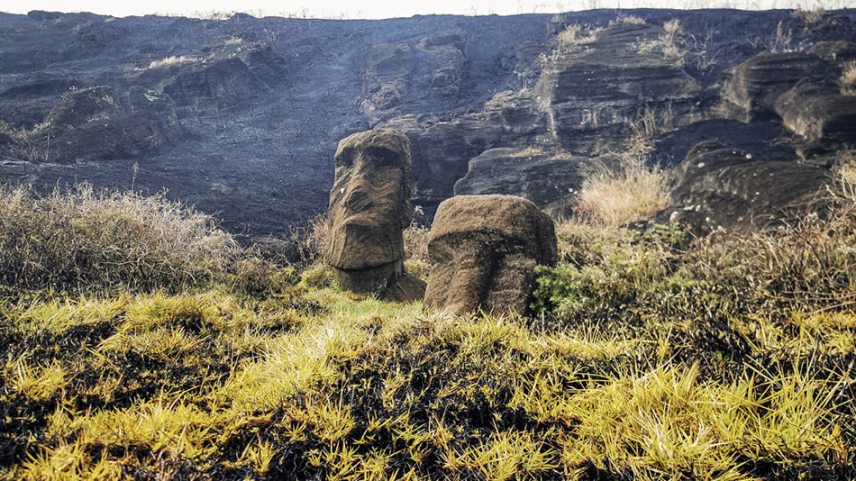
pixel 361 245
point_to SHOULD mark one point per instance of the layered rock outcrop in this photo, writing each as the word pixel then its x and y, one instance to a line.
pixel 756 84
pixel 549 179
pixel 596 88
pixel 442 149
pixel 718 186
pixel 369 209
pixel 819 114
pixel 484 250
pixel 91 124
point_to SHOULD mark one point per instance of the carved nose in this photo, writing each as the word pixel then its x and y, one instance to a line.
pixel 358 200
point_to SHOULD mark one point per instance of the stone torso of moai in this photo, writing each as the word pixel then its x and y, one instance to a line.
pixel 369 210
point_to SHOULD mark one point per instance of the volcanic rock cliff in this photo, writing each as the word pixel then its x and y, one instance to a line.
pixel 241 117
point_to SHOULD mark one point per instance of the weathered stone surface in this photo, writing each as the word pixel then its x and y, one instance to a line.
pixel 443 149
pixel 730 188
pixel 819 114
pixel 838 51
pixel 548 179
pixel 594 92
pixel 484 250
pixel 755 85
pixel 211 84
pixel 397 74
pixel 369 209
pixel 90 124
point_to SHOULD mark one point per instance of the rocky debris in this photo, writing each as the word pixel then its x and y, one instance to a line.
pixel 724 187
pixel 91 124
pixel 400 73
pixel 548 179
pixel 595 89
pixel 369 210
pixel 484 250
pixel 819 114
pixel 755 84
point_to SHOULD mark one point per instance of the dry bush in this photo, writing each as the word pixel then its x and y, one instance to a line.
pixel 416 242
pixel 782 41
pixel 81 239
pixel 673 27
pixel 670 45
pixel 809 17
pixel 312 239
pixel 700 52
pixel 574 37
pixel 628 20
pixel 847 168
pixel 630 192
pixel 848 79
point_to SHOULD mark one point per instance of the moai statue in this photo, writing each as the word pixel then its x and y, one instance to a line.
pixel 369 210
pixel 484 250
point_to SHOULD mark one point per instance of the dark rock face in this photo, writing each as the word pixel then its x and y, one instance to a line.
pixel 838 51
pixel 369 209
pixel 484 250
pixel 595 91
pixel 212 85
pixel 819 114
pixel 719 186
pixel 443 149
pixel 755 84
pixel 90 124
pixel 241 117
pixel 550 180
pixel 400 73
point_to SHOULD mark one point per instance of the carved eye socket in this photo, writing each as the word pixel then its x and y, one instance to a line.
pixel 345 158
pixel 382 156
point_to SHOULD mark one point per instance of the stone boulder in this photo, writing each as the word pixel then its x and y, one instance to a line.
pixel 729 188
pixel 819 114
pixel 755 84
pixel 369 210
pixel 549 179
pixel 484 250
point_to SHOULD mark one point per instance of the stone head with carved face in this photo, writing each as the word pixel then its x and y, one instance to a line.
pixel 369 209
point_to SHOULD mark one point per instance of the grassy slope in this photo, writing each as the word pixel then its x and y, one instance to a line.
pixel 655 357
pixel 316 383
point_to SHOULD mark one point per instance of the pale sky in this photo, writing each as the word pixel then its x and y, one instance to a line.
pixel 385 8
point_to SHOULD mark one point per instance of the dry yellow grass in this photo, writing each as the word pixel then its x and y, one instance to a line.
pixel 630 192
pixel 657 357
pixel 848 79
pixel 86 238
